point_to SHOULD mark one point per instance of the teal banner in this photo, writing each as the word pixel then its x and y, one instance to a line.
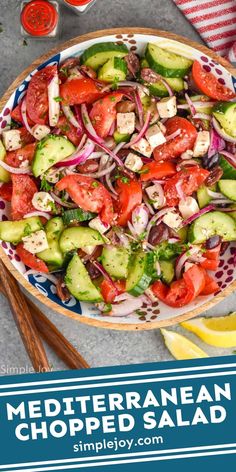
pixel 128 418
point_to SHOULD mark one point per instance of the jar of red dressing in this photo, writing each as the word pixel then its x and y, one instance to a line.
pixel 40 18
pixel 79 6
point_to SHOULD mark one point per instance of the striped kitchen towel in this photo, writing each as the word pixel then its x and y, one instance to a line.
pixel 215 21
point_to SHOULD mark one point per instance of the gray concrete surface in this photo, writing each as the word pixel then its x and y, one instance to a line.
pixel 100 347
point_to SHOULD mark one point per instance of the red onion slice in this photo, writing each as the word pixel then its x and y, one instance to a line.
pixel 221 132
pixel 141 133
pixel 139 107
pixel 231 158
pixel 70 116
pixel 190 104
pixel 79 156
pixel 15 170
pixel 187 162
pixel 189 220
pixel 38 213
pixel 203 116
pixel 98 175
pixel 53 104
pixel 24 116
pixel 216 143
pixel 104 272
pixel 173 135
pixel 127 307
pixel 61 202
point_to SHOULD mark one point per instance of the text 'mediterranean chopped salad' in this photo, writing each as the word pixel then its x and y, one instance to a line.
pixel 120 171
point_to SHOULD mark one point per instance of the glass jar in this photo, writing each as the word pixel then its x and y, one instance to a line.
pixel 39 18
pixel 79 6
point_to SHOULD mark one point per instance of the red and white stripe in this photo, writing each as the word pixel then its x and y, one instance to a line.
pixel 215 20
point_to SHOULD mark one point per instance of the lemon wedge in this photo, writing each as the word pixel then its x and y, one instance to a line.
pixel 218 331
pixel 181 347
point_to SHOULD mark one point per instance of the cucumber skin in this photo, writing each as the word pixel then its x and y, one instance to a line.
pixel 168 271
pixel 42 160
pixel 53 255
pixel 228 188
pixel 228 169
pixel 192 238
pixel 69 216
pixel 72 238
pixel 76 277
pixel 146 278
pixel 14 231
pixel 163 70
pixel 159 90
pixel 226 117
pixel 107 49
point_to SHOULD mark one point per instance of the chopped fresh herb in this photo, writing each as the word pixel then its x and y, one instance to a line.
pixel 27 230
pixel 45 185
pixel 125 180
pixel 143 171
pixel 95 184
pixel 112 98
pixel 58 99
pixel 107 308
pixel 1 28
pixel 64 71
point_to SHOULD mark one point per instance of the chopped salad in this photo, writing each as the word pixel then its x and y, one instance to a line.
pixel 120 171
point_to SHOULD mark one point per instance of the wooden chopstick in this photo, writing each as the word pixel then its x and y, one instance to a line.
pixel 53 337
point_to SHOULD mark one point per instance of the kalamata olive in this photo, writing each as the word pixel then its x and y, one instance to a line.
pixel 149 75
pixel 213 242
pixel 224 247
pixel 92 270
pixel 88 167
pixel 133 63
pixel 214 176
pixel 157 234
pixel 87 70
pixel 62 291
pixel 125 106
pixel 123 153
pixel 210 162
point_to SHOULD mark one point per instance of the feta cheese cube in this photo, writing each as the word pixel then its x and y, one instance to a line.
pixel 173 220
pixel 126 123
pixel 40 131
pixel 97 224
pixel 202 144
pixel 12 139
pixel 167 107
pixel 155 136
pixel 143 147
pixel 43 201
pixel 188 207
pixel 154 195
pixel 35 242
pixel 133 162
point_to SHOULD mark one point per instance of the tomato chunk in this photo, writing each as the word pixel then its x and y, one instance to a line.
pixel 37 95
pixel 89 194
pixel 108 291
pixel 23 191
pixel 211 286
pixel 130 195
pixel 174 148
pixel 190 179
pixel 156 170
pixel 103 113
pixel 209 84
pixel 6 191
pixel 15 158
pixel 67 129
pixel 78 91
pixel 30 260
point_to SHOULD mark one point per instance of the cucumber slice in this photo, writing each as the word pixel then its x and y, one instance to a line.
pixel 228 188
pixel 167 63
pixel 159 90
pixel 79 283
pixel 203 196
pixel 78 237
pixel 121 138
pixel 14 231
pixel 51 150
pixel 53 255
pixel 167 271
pixel 144 63
pixel 182 233
pixel 98 54
pixel 4 175
pixel 70 216
pixel 211 224
pixel 116 261
pixel 114 69
pixel 225 113
pixel 140 273
pixel 201 108
pixel 229 171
